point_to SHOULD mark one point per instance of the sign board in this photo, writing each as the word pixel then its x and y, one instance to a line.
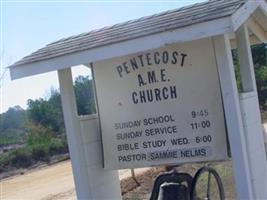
pixel 161 106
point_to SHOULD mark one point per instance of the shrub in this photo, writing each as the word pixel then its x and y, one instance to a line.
pixel 40 152
pixel 5 161
pixel 57 146
pixel 37 134
pixel 21 157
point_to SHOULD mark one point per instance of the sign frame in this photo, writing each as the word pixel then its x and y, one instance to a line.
pixel 226 142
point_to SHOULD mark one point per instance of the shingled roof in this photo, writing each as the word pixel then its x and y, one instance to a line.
pixel 165 21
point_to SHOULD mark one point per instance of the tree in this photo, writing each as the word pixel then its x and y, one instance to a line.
pixel 83 88
pixel 259 53
pixel 13 118
pixel 261 80
pixel 47 113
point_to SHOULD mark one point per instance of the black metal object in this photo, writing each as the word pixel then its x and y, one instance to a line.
pixel 173 186
pixel 173 191
pixel 181 186
pixel 211 172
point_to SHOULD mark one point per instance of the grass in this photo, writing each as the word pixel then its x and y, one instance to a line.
pixel 225 172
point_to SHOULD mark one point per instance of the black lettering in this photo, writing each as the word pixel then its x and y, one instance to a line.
pixel 119 70
pixel 135 100
pixel 141 60
pixel 149 95
pixel 162 75
pixel 148 58
pixel 179 141
pixel 174 57
pixel 126 67
pixel 173 92
pixel 140 80
pixel 165 93
pixel 151 76
pixel 142 96
pixel 165 57
pixel 133 64
pixel 156 58
pixel 183 58
pixel 157 94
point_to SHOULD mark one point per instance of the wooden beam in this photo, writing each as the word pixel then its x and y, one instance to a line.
pixel 256 29
pixel 245 60
pixel 242 14
pixel 251 116
pixel 253 40
pixel 73 132
pixel 83 134
pixel 233 116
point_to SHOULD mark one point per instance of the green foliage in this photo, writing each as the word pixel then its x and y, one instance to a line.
pixel 83 88
pixel 12 126
pixel 261 80
pixel 13 118
pixel 9 139
pixel 28 155
pixel 38 135
pixel 49 113
pixel 21 157
pixel 259 53
pixel 58 147
pixel 40 152
pixel 41 127
pixel 238 78
pixel 45 113
pixel 5 161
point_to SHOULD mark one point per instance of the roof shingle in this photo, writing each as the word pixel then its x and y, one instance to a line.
pixel 165 21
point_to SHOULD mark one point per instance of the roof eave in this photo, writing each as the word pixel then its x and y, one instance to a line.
pixel 189 33
pixel 263 8
pixel 243 13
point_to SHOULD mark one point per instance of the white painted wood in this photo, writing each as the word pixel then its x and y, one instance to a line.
pixel 241 15
pixel 104 184
pixel 245 95
pixel 193 32
pixel 91 180
pixel 253 40
pixel 189 33
pixel 251 117
pixel 263 7
pixel 256 29
pixel 73 134
pixel 198 31
pixel 245 60
pixel 198 89
pixel 260 16
pixel 233 117
pixel 255 144
pixel 89 121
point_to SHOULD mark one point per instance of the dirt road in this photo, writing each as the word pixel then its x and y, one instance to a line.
pixel 49 183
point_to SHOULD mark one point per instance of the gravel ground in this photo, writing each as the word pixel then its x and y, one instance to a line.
pixel 56 182
pixel 146 180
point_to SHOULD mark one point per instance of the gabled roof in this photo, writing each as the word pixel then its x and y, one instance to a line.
pixel 223 12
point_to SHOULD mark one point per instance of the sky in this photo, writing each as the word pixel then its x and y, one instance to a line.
pixel 27 25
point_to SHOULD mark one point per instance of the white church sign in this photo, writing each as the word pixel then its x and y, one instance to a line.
pixel 161 106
